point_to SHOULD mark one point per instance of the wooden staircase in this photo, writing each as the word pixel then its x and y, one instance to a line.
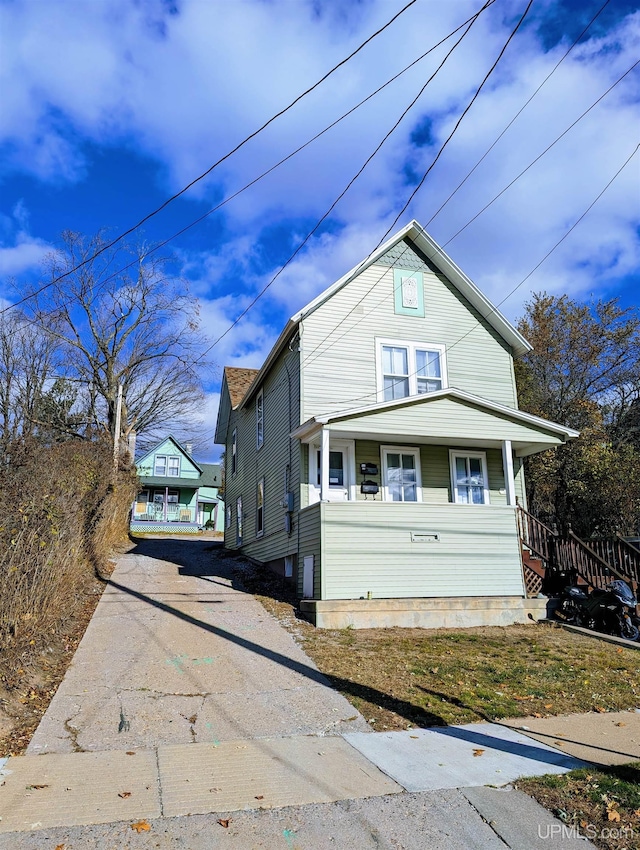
pixel 551 561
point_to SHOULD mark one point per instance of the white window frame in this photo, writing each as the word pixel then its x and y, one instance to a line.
pixel 155 466
pixel 405 450
pixel 260 508
pixel 411 346
pixel 482 456
pixel 349 448
pixel 260 419
pixel 234 451
pixel 228 516
pixel 239 520
pixel 169 473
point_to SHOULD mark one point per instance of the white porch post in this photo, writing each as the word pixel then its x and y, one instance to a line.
pixel 509 480
pixel 324 465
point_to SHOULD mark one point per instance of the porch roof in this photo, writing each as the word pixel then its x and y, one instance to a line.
pixel 446 417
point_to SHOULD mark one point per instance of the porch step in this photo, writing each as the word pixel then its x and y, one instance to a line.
pixel 534 563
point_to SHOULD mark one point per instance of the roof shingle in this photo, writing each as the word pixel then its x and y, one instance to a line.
pixel 238 382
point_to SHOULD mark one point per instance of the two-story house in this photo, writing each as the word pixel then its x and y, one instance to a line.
pixel 376 457
pixel 178 494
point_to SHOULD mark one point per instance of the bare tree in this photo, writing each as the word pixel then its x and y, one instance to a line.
pixel 27 363
pixel 121 318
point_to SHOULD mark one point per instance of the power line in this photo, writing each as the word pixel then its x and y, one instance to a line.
pixel 231 152
pixel 437 157
pixel 547 149
pixel 524 280
pixel 265 173
pixel 459 121
pixel 517 115
pixel 344 191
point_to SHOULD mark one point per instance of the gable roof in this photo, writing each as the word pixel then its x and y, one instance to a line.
pixel 180 448
pixel 536 423
pixel 415 233
pixel 238 382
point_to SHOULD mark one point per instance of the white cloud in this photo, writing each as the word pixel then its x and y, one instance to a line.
pixel 185 87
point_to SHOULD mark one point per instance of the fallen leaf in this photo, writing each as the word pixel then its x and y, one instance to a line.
pixel 549 705
pixel 140 826
pixel 522 699
pixel 60 846
pixel 224 822
pixel 260 797
pixel 414 736
pixel 478 752
pixel 619 650
pixel 613 816
pixel 536 714
pixel 621 724
pixel 124 794
pixel 559 743
pixel 600 709
pixel 215 789
pixel 130 753
pixel 36 787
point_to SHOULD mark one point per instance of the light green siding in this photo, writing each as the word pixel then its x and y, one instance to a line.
pixel 445 418
pixel 338 342
pixel 309 543
pixel 277 457
pixel 146 465
pixel 367 548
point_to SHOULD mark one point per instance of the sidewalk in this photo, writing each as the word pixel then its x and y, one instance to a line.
pixel 186 697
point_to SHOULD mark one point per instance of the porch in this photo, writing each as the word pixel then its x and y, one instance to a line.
pixel 408 550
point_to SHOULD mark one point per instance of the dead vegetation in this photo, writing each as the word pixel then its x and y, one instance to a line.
pixel 61 517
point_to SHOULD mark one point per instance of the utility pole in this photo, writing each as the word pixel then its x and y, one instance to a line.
pixel 116 434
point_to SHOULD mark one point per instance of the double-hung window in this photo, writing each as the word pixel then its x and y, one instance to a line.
pixel 160 467
pixel 259 419
pixel 469 483
pixel 234 451
pixel 260 509
pixel 409 368
pixel 401 474
pixel 173 467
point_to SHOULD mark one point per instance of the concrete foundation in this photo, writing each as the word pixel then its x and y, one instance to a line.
pixel 433 613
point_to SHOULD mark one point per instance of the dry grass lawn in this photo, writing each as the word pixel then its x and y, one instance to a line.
pixel 400 678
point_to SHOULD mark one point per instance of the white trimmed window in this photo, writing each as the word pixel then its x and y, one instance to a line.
pixel 260 509
pixel 401 477
pixel 259 419
pixel 469 483
pixel 234 451
pixel 173 466
pixel 239 519
pixel 160 467
pixel 409 368
pixel 227 516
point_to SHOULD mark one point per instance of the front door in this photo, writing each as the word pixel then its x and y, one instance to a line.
pixel 341 471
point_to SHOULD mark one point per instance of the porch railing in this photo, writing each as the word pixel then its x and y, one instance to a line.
pixel 568 558
pixel 174 513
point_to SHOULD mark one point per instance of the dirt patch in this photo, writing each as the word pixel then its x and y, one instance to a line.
pixel 601 804
pixel 30 674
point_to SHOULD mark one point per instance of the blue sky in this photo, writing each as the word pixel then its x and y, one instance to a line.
pixel 110 106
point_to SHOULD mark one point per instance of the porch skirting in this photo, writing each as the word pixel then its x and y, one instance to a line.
pixel 433 613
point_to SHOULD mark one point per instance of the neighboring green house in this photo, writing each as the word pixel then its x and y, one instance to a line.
pixel 376 457
pixel 178 494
